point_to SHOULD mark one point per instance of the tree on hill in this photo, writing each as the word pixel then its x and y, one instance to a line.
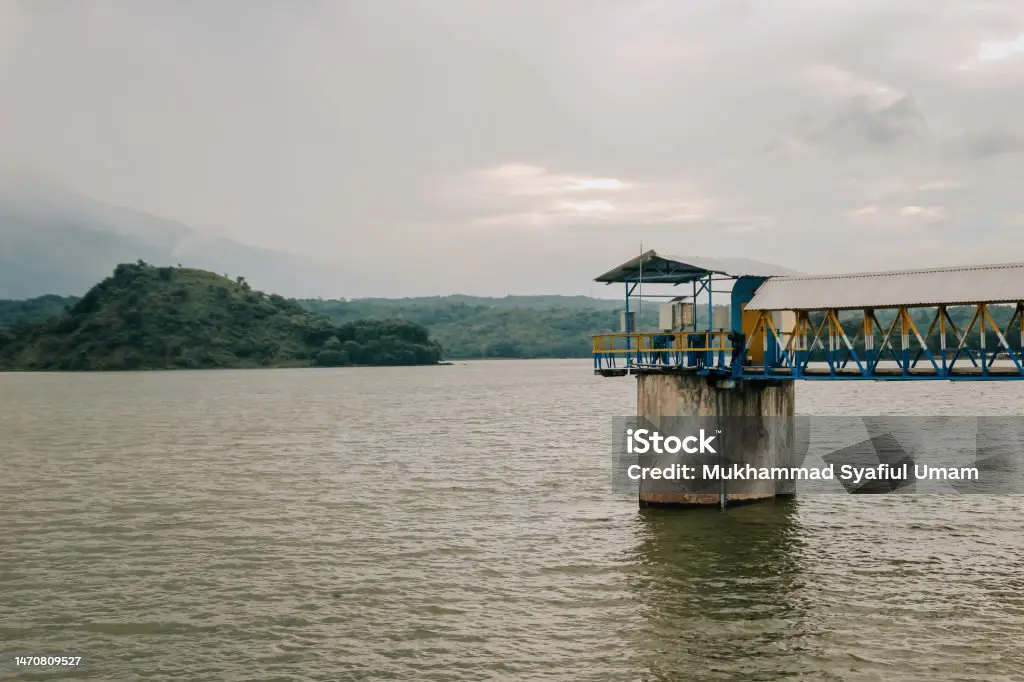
pixel 32 310
pixel 511 327
pixel 147 317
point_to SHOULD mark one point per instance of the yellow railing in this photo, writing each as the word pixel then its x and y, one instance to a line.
pixel 623 343
pixel 665 349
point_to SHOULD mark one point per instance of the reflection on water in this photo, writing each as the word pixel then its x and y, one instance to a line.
pixel 833 588
pixel 721 593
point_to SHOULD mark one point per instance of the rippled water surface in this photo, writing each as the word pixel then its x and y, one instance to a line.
pixel 457 523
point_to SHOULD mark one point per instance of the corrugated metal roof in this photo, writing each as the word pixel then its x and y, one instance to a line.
pixel 956 285
pixel 666 269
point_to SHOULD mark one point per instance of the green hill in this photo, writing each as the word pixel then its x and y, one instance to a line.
pixel 465 326
pixel 32 310
pixel 510 327
pixel 147 317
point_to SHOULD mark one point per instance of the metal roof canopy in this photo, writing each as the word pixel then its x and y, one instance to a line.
pixel 1001 283
pixel 665 269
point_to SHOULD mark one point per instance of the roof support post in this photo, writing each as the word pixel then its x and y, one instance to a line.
pixel 694 305
pixel 982 312
pixel 1020 338
pixel 941 315
pixel 709 358
pixel 869 340
pixel 799 341
pixel 904 339
pixel 629 359
pixel 765 322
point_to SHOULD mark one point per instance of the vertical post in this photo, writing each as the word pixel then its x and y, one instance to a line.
pixel 640 307
pixel 1020 318
pixel 832 336
pixel 982 311
pixel 723 493
pixel 766 332
pixel 805 345
pixel 942 336
pixel 799 339
pixel 905 341
pixel 869 338
pixel 709 362
pixel 694 323
pixel 629 360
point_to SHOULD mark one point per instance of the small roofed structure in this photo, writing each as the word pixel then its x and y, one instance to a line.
pixel 963 285
pixel 680 324
pixel 654 268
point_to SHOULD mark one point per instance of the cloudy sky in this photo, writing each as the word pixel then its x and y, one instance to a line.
pixel 498 147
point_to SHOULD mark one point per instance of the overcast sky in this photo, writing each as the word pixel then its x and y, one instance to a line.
pixel 515 146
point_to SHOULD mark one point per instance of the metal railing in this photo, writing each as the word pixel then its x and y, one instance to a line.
pixel 896 350
pixel 705 349
pixel 907 352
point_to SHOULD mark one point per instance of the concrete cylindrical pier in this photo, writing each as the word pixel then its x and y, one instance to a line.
pixel 754 426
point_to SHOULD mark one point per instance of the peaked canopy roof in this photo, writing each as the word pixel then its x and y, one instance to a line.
pixel 665 269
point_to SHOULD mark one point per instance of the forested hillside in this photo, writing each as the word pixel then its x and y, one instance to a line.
pixel 511 327
pixel 147 317
pixel 32 310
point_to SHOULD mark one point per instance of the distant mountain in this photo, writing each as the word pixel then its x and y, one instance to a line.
pixel 147 317
pixel 53 241
pixel 539 302
pixel 509 327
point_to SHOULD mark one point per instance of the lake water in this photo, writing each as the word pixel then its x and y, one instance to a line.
pixel 457 523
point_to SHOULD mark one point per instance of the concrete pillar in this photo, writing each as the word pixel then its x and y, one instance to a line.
pixel 756 428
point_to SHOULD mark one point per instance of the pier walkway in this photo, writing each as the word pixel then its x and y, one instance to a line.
pixel 749 320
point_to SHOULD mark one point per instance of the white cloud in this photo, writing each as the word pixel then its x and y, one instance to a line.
pixel 887 218
pixel 514 171
pixel 863 211
pixel 922 212
pixel 530 196
pixel 940 185
pixel 588 206
pixel 525 179
pixel 836 83
pixel 995 50
pixel 599 183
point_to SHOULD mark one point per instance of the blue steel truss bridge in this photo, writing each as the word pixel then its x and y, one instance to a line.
pixel 742 319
